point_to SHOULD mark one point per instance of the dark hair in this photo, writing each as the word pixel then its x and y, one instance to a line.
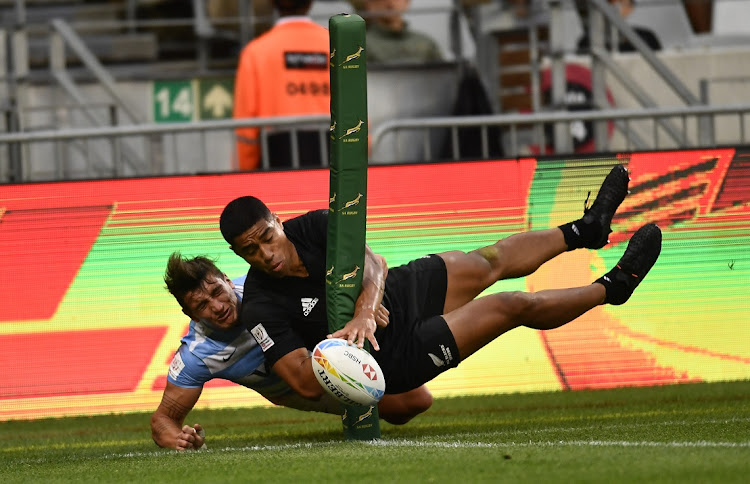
pixel 240 214
pixel 292 7
pixel 184 275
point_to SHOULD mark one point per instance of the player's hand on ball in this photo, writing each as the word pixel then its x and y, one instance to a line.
pixel 358 330
pixel 191 438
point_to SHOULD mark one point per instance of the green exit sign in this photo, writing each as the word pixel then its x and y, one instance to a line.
pixel 216 99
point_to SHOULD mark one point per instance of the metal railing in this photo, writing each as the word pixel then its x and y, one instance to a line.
pixel 598 15
pixel 64 36
pixel 168 148
pixel 638 130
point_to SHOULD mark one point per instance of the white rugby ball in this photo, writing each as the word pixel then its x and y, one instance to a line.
pixel 348 373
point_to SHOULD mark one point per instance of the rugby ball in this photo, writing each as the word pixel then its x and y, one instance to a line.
pixel 348 373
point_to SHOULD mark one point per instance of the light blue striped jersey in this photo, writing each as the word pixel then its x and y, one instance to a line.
pixel 207 353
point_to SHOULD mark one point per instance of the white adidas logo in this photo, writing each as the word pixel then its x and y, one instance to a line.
pixel 308 303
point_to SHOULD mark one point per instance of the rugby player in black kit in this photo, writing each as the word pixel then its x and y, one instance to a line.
pixel 424 317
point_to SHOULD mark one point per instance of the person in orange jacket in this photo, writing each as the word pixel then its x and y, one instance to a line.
pixel 284 72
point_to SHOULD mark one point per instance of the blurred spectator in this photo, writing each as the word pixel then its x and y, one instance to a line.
pixel 625 8
pixel 262 10
pixel 700 14
pixel 389 38
pixel 359 5
pixel 472 100
pixel 284 72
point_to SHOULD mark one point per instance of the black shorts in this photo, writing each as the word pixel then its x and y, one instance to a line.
pixel 417 345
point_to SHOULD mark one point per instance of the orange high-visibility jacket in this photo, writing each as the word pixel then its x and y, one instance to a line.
pixel 284 72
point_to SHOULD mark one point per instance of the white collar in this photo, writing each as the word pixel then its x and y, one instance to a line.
pixel 293 18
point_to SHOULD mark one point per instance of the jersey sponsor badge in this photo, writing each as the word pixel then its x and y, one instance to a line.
pixel 261 336
pixel 306 60
pixel 175 368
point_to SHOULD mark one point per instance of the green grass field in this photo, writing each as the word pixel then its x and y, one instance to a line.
pixel 685 433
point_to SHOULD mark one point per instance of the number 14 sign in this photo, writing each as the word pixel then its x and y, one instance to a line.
pixel 181 101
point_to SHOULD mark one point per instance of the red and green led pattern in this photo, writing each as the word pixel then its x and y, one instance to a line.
pixel 87 326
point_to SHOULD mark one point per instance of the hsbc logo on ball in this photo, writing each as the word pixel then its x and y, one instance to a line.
pixel 369 372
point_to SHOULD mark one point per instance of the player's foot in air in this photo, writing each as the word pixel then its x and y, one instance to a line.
pixel 640 256
pixel 592 231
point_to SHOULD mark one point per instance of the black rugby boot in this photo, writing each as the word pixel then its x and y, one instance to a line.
pixel 592 231
pixel 640 256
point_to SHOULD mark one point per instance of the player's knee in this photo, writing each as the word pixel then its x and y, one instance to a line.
pixel 490 268
pixel 400 409
pixel 518 305
pixel 491 253
pixel 420 402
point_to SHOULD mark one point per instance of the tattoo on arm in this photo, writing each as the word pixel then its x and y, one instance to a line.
pixel 174 409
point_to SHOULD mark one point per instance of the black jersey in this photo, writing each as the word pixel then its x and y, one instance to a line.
pixel 286 313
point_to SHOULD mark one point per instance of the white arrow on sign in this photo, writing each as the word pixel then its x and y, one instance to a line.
pixel 218 100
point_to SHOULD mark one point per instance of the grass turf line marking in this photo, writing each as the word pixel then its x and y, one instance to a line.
pixel 477 435
pixel 561 443
pixel 547 430
pixel 272 448
pixel 402 443
pixel 448 445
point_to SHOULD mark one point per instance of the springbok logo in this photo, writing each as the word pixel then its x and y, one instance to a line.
pixel 343 417
pixel 331 201
pixel 354 56
pixel 364 415
pixel 350 275
pixel 333 126
pixel 329 272
pixel 330 58
pixel 353 130
pixel 352 203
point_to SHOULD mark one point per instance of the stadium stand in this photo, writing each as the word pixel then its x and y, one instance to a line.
pixel 139 48
pixel 97 22
pixel 731 17
pixel 668 19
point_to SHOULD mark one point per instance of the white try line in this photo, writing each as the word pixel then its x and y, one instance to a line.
pixel 560 443
pixel 247 448
pixel 457 444
pixel 461 440
pixel 589 428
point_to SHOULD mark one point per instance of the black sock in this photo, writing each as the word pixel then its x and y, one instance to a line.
pixel 617 285
pixel 579 233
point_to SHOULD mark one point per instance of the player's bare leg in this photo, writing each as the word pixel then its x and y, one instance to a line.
pixel 480 321
pixel 521 254
pixel 399 408
pixel 516 256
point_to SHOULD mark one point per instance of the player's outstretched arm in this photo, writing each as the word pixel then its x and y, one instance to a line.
pixel 296 369
pixel 167 428
pixel 368 312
